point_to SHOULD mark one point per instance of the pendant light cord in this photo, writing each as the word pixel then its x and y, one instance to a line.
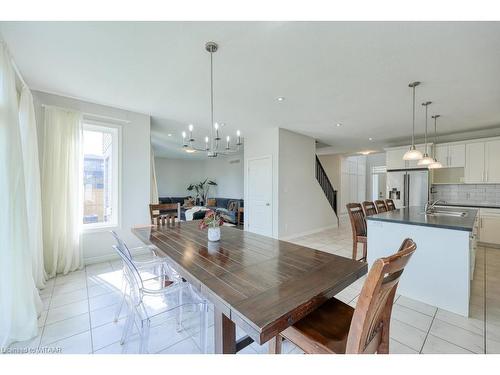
pixel 211 100
pixel 426 105
pixel 413 132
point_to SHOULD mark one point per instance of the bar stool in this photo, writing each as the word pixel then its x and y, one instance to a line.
pixel 358 225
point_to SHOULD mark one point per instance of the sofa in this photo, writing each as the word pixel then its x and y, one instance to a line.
pixel 221 206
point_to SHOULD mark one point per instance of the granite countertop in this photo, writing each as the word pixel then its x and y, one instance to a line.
pixel 473 205
pixel 414 216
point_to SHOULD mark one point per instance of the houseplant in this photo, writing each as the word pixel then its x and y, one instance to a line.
pixel 202 189
pixel 213 221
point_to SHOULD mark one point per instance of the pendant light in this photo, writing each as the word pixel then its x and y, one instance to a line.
pixel 435 164
pixel 426 159
pixel 211 145
pixel 413 153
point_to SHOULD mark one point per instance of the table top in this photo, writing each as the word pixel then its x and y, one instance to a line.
pixel 262 284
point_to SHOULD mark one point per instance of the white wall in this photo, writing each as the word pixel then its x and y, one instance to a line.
pixel 135 171
pixel 264 143
pixel 303 206
pixel 174 175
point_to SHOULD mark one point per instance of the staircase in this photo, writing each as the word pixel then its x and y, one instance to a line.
pixel 326 186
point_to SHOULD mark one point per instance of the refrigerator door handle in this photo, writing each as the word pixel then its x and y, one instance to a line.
pixel 404 189
pixel 408 191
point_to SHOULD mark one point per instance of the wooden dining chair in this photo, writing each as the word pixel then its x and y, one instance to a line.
pixel 390 205
pixel 164 212
pixel 336 327
pixel 369 208
pixel 358 225
pixel 380 204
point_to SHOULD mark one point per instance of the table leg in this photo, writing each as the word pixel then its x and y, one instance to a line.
pixel 225 334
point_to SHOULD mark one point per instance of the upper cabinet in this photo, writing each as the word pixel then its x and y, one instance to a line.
pixel 394 157
pixel 482 162
pixel 492 161
pixel 474 163
pixel 451 155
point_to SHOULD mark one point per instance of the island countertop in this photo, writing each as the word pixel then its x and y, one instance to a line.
pixel 415 215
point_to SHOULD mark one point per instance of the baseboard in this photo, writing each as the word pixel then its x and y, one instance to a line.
pixel 308 232
pixel 111 257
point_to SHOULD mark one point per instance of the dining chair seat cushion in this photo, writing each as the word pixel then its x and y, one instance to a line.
pixel 325 330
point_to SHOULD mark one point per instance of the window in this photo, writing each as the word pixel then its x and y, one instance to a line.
pixel 100 176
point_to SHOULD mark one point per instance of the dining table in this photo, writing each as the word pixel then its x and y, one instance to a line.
pixel 260 284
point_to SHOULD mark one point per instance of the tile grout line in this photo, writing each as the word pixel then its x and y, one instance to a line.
pixel 428 331
pixel 89 312
pixel 46 316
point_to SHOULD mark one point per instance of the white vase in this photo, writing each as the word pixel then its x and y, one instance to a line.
pixel 214 234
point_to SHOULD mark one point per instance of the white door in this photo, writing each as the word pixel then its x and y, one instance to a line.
pixel 258 210
pixel 456 156
pixel 492 157
pixel 474 163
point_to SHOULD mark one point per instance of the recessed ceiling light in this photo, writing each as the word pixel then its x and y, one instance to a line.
pixel 280 98
pixel 370 139
pixel 169 134
pixel 339 124
pixel 365 152
pixel 190 150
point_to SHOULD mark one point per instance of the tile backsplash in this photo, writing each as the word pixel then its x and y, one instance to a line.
pixel 472 194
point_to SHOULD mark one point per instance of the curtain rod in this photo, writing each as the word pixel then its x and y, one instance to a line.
pixel 89 114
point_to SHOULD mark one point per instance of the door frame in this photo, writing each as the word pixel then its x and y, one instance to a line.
pixel 247 162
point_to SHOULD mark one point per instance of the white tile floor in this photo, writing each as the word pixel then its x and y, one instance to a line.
pixel 79 310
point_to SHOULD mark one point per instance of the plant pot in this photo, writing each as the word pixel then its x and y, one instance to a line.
pixel 214 234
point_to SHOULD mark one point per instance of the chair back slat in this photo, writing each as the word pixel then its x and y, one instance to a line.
pixel 390 205
pixel 369 208
pixel 357 218
pixel 380 204
pixel 372 314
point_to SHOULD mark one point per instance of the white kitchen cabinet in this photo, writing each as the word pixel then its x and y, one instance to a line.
pixel 451 155
pixel 474 162
pixel 442 154
pixel 456 156
pixel 482 162
pixel 394 158
pixel 489 226
pixel 492 161
pixel 353 180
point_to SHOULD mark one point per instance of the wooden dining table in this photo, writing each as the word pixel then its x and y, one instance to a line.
pixel 261 284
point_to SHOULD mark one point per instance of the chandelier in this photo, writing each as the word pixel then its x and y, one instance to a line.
pixel 212 145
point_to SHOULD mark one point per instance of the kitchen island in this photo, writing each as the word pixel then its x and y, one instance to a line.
pixel 440 271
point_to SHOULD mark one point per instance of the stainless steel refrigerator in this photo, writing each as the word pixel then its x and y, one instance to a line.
pixel 408 187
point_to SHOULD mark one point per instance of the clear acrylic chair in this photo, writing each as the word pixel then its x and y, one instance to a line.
pixel 157 267
pixel 147 299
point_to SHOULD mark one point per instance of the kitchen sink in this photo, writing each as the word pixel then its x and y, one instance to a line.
pixel 445 213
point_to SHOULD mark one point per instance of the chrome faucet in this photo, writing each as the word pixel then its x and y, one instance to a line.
pixel 429 206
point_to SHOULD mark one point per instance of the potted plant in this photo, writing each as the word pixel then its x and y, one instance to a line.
pixel 213 221
pixel 202 189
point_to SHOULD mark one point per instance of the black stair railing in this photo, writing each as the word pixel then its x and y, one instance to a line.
pixel 326 186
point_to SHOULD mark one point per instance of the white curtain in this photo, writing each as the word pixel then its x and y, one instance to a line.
pixel 19 299
pixel 29 143
pixel 62 190
pixel 154 183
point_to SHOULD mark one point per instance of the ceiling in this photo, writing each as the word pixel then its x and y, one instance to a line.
pixel 353 73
